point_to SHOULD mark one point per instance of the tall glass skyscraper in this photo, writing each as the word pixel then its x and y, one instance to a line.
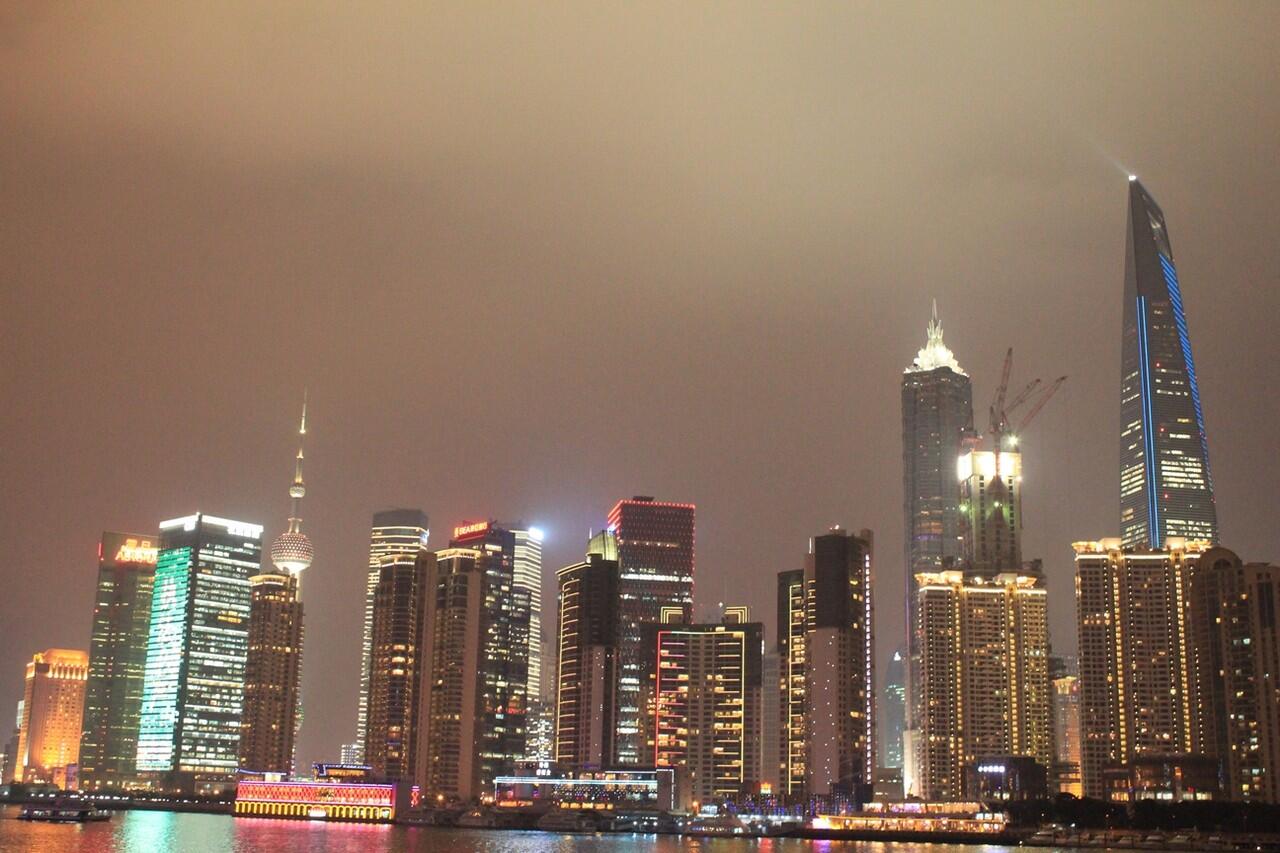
pixel 398 538
pixel 655 555
pixel 1165 486
pixel 937 412
pixel 193 688
pixel 117 658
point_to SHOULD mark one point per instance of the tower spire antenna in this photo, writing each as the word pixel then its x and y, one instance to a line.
pixel 292 551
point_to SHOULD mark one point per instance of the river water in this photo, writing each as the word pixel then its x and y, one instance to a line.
pixel 158 832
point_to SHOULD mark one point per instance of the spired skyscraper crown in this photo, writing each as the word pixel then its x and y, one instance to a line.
pixel 1165 485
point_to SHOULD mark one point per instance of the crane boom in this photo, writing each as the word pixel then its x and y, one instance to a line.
pixel 1043 398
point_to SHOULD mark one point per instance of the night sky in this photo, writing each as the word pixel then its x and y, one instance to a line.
pixel 532 259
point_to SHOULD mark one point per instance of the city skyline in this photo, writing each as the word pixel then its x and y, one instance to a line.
pixel 743 357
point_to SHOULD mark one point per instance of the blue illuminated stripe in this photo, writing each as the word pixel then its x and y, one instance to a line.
pixel 1180 320
pixel 1148 425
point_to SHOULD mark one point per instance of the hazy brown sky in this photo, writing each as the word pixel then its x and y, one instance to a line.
pixel 531 259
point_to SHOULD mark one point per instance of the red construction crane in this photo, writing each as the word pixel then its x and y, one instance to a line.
pixel 999 430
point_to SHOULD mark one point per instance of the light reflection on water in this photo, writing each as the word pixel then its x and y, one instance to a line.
pixel 145 832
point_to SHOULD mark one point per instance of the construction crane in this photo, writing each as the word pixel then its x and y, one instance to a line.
pixel 999 429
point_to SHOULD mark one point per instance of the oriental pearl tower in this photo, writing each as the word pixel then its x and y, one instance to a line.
pixel 272 710
pixel 292 551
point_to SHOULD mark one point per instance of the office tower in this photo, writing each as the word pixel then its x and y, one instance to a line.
pixel 937 413
pixel 528 577
pixel 1234 658
pixel 893 712
pixel 398 537
pixel 587 669
pixel 771 736
pixel 52 714
pixel 1166 489
pixel 1134 690
pixel 793 624
pixel 193 687
pixel 402 600
pixel 1066 726
pixel 991 509
pixel 473 705
pixel 273 670
pixel 117 658
pixel 350 753
pixel 707 701
pixel 656 561
pixel 839 666
pixel 984 675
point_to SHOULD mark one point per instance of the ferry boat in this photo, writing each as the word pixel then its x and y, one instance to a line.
pixel 62 813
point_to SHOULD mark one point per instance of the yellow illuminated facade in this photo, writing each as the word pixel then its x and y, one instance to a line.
pixel 52 714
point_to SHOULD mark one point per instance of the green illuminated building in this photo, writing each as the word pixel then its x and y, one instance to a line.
pixel 193 691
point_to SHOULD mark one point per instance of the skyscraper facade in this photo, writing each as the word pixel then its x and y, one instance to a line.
pixel 587 657
pixel 793 626
pixel 273 670
pixel 474 700
pixel 991 509
pixel 656 559
pixel 937 413
pixel 397 538
pixel 839 665
pixel 1066 730
pixel 893 706
pixel 984 675
pixel 1234 657
pixel 198 643
pixel 1134 672
pixel 1166 489
pixel 707 704
pixel 117 659
pixel 400 608
pixel 52 715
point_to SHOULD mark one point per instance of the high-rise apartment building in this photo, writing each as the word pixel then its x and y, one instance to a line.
pixel 1135 697
pixel 476 661
pixel 587 657
pixel 1234 658
pixel 117 659
pixel 198 643
pixel 656 559
pixel 707 703
pixel 273 670
pixel 937 413
pixel 793 621
pixel 402 599
pixel 397 538
pixel 52 715
pixel 839 665
pixel 1166 489
pixel 984 675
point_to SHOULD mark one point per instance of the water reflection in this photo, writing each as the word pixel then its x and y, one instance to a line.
pixel 145 832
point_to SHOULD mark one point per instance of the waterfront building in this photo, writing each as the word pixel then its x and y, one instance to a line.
pixel 656 563
pixel 839 666
pixel 1135 697
pixel 793 621
pixel 587 672
pixel 1234 658
pixel 198 643
pixel 401 603
pixel 984 669
pixel 527 572
pixel 273 670
pixel 475 653
pixel 397 538
pixel 117 659
pixel 937 414
pixel 52 716
pixel 771 737
pixel 893 712
pixel 613 791
pixel 1166 489
pixel 707 704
